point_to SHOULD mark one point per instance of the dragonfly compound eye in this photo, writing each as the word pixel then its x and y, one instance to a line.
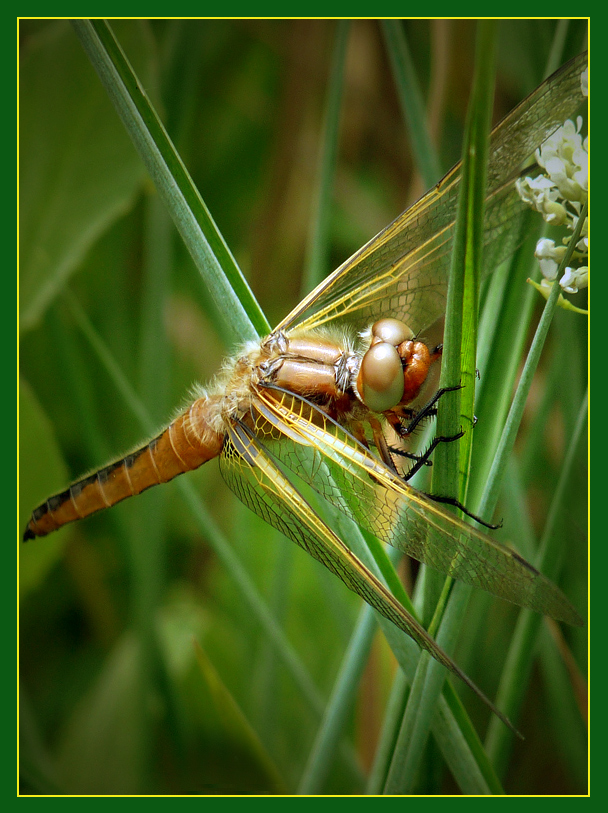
pixel 390 330
pixel 380 381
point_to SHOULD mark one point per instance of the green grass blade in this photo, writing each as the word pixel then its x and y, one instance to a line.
pixel 458 361
pixel 236 724
pixel 316 266
pixel 411 101
pixel 339 705
pixel 457 739
pixel 515 675
pixel 210 253
pixel 504 345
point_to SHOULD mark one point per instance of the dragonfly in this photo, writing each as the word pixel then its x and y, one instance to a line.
pixel 321 399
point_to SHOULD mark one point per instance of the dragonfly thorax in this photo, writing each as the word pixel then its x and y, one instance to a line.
pixel 382 370
pixel 316 365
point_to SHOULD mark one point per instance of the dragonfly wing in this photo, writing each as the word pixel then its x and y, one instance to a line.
pixel 261 486
pixel 403 271
pixel 353 479
pixel 252 475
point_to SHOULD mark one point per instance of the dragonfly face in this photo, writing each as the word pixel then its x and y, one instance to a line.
pixel 313 398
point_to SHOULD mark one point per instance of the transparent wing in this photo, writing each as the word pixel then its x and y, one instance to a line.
pixel 402 272
pixel 335 464
pixel 262 487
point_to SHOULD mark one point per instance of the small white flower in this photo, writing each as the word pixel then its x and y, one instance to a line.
pixel 564 157
pixel 584 229
pixel 555 213
pixel 574 279
pixel 559 195
pixel 542 186
pixel 544 288
pixel 545 249
pixel 530 189
pixel 542 194
pixel 549 257
pixel 548 268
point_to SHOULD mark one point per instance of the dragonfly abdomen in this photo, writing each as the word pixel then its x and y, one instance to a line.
pixel 188 442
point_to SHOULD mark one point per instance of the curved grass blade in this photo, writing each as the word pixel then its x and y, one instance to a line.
pixel 411 101
pixel 316 263
pixel 210 253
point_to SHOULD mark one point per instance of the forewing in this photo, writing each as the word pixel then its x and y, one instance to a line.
pixel 353 479
pixel 402 272
pixel 262 487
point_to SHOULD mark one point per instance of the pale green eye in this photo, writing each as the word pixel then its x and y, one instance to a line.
pixel 392 331
pixel 380 381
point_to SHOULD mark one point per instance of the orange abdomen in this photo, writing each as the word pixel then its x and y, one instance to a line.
pixel 187 443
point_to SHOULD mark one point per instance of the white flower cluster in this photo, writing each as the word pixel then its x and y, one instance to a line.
pixel 559 195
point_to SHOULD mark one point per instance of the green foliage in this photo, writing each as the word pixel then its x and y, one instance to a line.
pixel 176 644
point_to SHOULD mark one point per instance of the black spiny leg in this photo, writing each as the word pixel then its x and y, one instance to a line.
pixel 459 505
pixel 427 411
pixel 423 459
pixel 405 429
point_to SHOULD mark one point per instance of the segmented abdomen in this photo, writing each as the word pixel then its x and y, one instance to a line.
pixel 187 443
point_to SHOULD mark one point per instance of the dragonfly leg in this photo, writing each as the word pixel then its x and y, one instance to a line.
pixel 382 447
pixel 459 505
pixel 427 411
pixel 423 459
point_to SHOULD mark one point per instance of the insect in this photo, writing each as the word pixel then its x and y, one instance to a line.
pixel 314 399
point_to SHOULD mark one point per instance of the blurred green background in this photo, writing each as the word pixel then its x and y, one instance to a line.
pixel 143 667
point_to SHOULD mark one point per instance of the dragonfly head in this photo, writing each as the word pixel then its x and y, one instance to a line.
pixel 380 381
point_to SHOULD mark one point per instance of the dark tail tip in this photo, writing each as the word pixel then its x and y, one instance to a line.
pixel 28 534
